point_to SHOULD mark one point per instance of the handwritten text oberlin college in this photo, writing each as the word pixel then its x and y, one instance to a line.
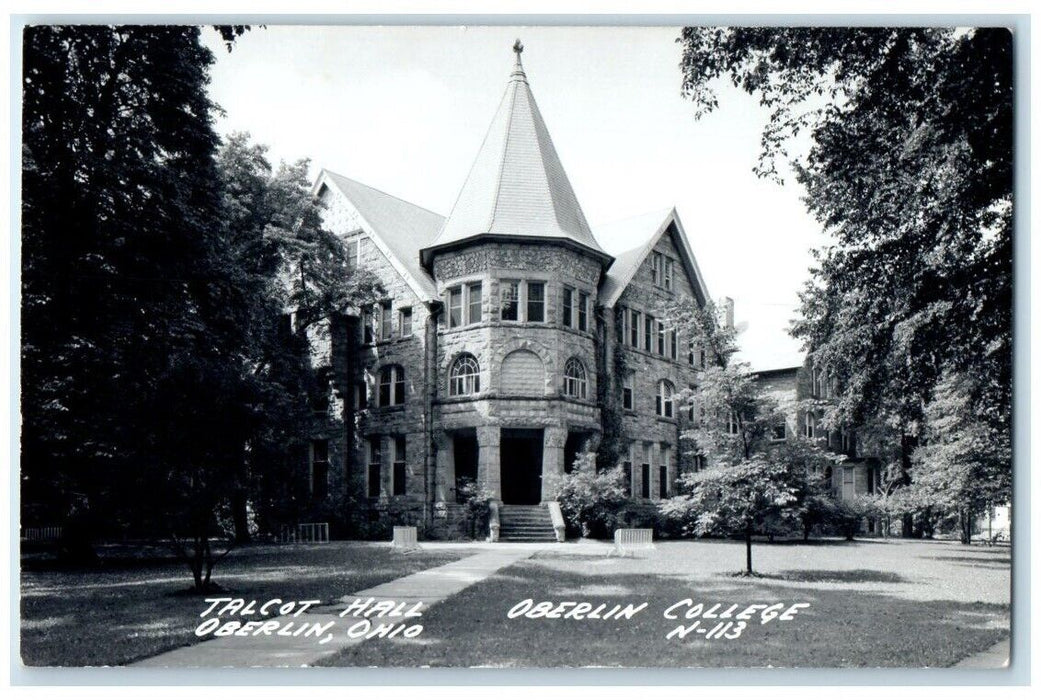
pixel 712 620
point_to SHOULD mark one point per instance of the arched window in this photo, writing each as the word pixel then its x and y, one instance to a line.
pixel 575 378
pixel 465 376
pixel 392 385
pixel 663 401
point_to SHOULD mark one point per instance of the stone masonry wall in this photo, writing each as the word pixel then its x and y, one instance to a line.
pixel 641 425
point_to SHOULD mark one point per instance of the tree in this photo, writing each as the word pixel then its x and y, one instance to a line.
pixel 961 470
pixel 739 498
pixel 161 385
pixel 120 243
pixel 753 484
pixel 293 279
pixel 909 170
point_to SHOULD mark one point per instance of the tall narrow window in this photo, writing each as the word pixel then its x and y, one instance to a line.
pixel 661 338
pixel 690 352
pixel 399 466
pixel 672 344
pixel 663 401
pixel 361 396
pixel 656 268
pixel 464 378
pixel 509 299
pixel 386 327
pixel 575 378
pixel 627 391
pixel 536 302
pixel 566 300
pixel 367 337
pixel 698 462
pixel 732 425
pixel 473 293
pixel 648 333
pixel 622 324
pixel 405 322
pixel 645 471
pixel 375 467
pixel 583 306
pixel 667 281
pixel 455 307
pixel 808 425
pixel 627 472
pixel 392 385
pixel 319 468
pixel 634 335
pixel 351 255
pixel 663 471
pixel 849 486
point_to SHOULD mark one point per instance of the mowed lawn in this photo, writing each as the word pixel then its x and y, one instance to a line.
pixel 871 604
pixel 126 611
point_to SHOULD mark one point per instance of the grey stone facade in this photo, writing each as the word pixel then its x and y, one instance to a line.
pixel 506 364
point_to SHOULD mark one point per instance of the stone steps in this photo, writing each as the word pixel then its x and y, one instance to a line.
pixel 525 524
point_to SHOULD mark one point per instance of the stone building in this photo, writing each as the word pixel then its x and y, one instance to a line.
pixel 801 387
pixel 513 337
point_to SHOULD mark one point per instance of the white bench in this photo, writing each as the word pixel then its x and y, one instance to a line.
pixel 41 534
pixel 627 540
pixel 405 539
pixel 306 532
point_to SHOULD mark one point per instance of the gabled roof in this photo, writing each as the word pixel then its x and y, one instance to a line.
pixel 398 228
pixel 517 186
pixel 631 241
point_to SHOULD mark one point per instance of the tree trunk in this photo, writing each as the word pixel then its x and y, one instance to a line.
pixel 748 548
pixel 240 515
pixel 965 517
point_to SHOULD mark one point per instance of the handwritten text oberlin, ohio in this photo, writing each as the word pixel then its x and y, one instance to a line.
pixel 712 620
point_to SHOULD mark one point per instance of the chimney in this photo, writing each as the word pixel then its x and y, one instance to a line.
pixel 728 312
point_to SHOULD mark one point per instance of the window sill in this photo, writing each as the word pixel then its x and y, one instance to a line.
pixel 391 409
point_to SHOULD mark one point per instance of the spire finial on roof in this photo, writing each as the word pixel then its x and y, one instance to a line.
pixel 518 68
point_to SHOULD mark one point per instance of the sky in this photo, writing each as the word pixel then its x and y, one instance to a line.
pixel 405 109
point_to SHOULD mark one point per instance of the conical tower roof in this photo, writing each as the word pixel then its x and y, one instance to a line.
pixel 517 186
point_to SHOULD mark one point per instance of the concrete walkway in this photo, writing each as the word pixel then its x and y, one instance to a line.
pixel 426 587
pixel 996 657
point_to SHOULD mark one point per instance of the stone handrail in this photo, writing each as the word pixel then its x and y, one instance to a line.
pixel 493 521
pixel 558 519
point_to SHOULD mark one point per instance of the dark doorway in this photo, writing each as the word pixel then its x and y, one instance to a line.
pixel 521 465
pixel 573 447
pixel 465 450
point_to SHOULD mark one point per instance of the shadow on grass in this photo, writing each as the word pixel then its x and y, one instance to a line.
pixel 837 629
pixel 108 617
pixel 984 562
pixel 824 576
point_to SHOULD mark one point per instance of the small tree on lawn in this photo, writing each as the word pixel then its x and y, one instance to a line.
pixel 753 483
pixel 740 497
